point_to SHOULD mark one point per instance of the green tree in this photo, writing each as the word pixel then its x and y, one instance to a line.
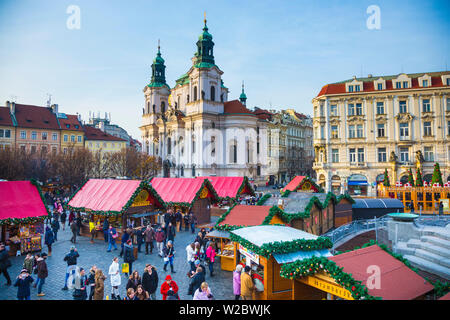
pixel 410 177
pixel 386 182
pixel 419 179
pixel 437 175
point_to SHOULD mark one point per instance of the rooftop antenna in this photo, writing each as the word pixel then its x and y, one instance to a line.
pixel 49 100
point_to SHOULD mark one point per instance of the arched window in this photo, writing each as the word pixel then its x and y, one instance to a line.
pixel 154 108
pixel 213 93
pixel 163 107
pixel 195 93
pixel 187 99
pixel 169 146
pixel 193 144
pixel 148 107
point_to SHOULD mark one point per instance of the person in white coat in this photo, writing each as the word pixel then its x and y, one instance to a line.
pixel 190 253
pixel 114 273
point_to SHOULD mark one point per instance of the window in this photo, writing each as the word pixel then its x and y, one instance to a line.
pixel 321 110
pixel 335 155
pixel 357 88
pixel 382 155
pixel 398 85
pixel 404 154
pixel 402 106
pixel 352 155
pixel 334 132
pixel 448 103
pixel 380 86
pixel 351 109
pixel 44 149
pixel 163 107
pixel 7 133
pixel 380 107
pixel 350 88
pixel 359 109
pixel 427 128
pixel 1 133
pixel 44 135
pixel 54 136
pixel 80 139
pixel 213 93
pixel 351 131
pixel 72 138
pixel 66 138
pixel 448 81
pixel 360 154
pixel 33 135
pixel 193 144
pixel 322 132
pixel 195 93
pixel 429 154
pixel 380 130
pixel 424 83
pixel 23 134
pixel 333 110
pixel 404 130
pixel 405 84
pixel 426 107
pixel 448 128
pixel 169 145
pixel 359 131
pixel 105 144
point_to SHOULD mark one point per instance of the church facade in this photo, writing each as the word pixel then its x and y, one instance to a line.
pixel 195 129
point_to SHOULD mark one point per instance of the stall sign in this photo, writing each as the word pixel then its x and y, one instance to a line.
pixel 142 199
pixel 249 254
pixel 326 286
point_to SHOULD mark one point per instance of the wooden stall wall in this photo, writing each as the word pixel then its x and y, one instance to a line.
pixel 202 210
pixel 343 213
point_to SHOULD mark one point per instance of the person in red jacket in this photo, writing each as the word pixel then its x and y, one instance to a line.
pixel 169 289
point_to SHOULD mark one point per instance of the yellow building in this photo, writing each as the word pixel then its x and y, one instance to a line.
pixel 363 126
pixel 97 140
pixel 72 133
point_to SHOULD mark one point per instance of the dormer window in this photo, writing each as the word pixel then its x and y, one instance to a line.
pixel 398 85
pixel 67 126
pixel 424 83
pixel 350 88
pixel 405 84
pixel 357 88
pixel 380 86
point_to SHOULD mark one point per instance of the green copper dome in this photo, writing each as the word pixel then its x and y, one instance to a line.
pixel 158 71
pixel 205 47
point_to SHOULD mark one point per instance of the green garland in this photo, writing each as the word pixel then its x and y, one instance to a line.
pixel 311 266
pixel 29 220
pixel 283 247
pixel 143 185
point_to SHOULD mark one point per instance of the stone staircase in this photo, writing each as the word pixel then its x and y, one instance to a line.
pixel 430 253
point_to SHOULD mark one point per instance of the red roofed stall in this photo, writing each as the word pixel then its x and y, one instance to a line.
pixel 22 214
pixel 123 202
pixel 302 183
pixel 187 194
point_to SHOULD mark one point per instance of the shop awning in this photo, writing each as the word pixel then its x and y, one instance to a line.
pixel 20 200
pixel 218 234
pixel 300 255
pixel 145 214
pixel 358 183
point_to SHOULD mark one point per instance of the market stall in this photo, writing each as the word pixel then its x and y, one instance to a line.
pixel 315 213
pixel 187 194
pixel 125 203
pixel 22 214
pixel 224 248
pixel 231 190
pixel 302 184
pixel 350 276
pixel 266 248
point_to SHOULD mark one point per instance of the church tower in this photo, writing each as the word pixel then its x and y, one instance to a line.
pixel 156 103
pixel 243 96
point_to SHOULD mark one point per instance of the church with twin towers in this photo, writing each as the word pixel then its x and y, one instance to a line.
pixel 194 128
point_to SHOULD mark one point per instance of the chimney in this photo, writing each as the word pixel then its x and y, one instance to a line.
pixel 55 108
pixel 370 75
pixel 354 77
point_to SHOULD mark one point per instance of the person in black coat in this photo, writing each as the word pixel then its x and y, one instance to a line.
pixel 91 281
pixel 170 232
pixel 5 263
pixel 186 221
pixel 196 281
pixel 105 230
pixel 63 219
pixel 139 237
pixel 78 220
pixel 128 256
pixel 178 218
pixel 23 282
pixel 55 227
pixel 150 281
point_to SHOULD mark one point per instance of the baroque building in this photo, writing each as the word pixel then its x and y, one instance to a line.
pixel 194 128
pixel 363 126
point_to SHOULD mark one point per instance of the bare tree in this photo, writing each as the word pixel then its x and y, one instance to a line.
pixel 99 168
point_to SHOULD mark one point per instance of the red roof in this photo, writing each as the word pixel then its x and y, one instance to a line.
pixel 368 84
pixel 28 116
pixel 105 194
pixel 177 190
pixel 229 186
pixel 446 297
pixel 5 117
pixel 397 281
pixel 71 123
pixel 92 133
pixel 263 114
pixel 243 215
pixel 235 106
pixel 20 199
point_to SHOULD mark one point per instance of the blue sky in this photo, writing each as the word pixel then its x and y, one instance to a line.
pixel 285 51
